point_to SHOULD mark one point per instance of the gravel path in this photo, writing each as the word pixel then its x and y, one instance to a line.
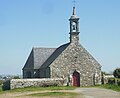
pixel 98 93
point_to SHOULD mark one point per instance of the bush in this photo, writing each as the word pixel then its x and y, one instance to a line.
pixel 118 82
pixel 116 73
pixel 114 81
pixel 16 77
pixel 111 81
pixel 6 85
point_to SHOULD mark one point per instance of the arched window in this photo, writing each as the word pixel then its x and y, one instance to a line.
pixel 74 27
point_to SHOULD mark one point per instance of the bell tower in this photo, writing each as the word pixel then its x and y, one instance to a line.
pixel 74 27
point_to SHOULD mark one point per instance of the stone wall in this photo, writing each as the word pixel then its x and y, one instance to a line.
pixel 21 83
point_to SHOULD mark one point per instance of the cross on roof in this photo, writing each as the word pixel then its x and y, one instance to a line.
pixel 74 2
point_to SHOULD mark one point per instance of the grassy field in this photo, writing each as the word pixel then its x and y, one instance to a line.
pixel 46 92
pixel 39 89
pixel 0 88
pixel 54 94
pixel 112 87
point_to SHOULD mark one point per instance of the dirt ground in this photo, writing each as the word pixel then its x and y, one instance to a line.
pixel 84 93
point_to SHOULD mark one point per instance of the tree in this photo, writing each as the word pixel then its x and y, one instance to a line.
pixel 116 73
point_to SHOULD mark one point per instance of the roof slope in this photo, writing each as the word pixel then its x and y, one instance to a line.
pixel 30 62
pixel 55 54
pixel 41 55
pixel 37 57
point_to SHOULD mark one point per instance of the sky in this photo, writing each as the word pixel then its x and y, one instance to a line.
pixel 25 24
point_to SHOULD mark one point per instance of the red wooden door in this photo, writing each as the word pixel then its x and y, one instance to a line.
pixel 76 79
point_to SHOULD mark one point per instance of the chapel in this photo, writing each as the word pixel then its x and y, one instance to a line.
pixel 70 61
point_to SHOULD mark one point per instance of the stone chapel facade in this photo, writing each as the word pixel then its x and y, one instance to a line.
pixel 71 61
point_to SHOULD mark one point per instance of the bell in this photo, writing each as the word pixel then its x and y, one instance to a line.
pixel 73 27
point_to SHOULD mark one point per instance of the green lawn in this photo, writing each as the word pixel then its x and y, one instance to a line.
pixel 46 91
pixel 39 89
pixel 0 88
pixel 53 94
pixel 111 86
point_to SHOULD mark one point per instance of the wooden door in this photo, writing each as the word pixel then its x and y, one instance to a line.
pixel 76 79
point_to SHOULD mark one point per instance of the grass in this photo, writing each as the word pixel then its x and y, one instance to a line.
pixel 111 86
pixel 51 91
pixel 53 94
pixel 39 89
pixel 0 88
pixel 42 88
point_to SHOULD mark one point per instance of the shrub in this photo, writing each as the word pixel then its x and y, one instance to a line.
pixel 116 73
pixel 6 85
pixel 118 82
pixel 16 77
pixel 111 81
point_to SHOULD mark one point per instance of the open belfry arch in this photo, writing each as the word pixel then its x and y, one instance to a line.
pixel 70 61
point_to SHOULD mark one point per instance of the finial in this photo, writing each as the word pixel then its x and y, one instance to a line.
pixel 74 16
pixel 74 11
pixel 74 2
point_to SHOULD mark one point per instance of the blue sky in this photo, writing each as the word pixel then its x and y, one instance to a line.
pixel 45 23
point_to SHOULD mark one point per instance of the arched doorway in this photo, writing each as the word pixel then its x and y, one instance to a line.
pixel 28 74
pixel 76 79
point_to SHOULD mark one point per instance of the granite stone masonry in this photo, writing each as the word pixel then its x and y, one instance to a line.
pixel 76 58
pixel 21 83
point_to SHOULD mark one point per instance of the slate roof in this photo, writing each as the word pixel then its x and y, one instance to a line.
pixel 55 54
pixel 37 57
pixel 30 62
pixel 42 57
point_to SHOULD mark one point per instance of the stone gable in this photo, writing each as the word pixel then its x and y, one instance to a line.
pixel 75 57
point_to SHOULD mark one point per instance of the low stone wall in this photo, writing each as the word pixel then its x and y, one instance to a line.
pixel 21 83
